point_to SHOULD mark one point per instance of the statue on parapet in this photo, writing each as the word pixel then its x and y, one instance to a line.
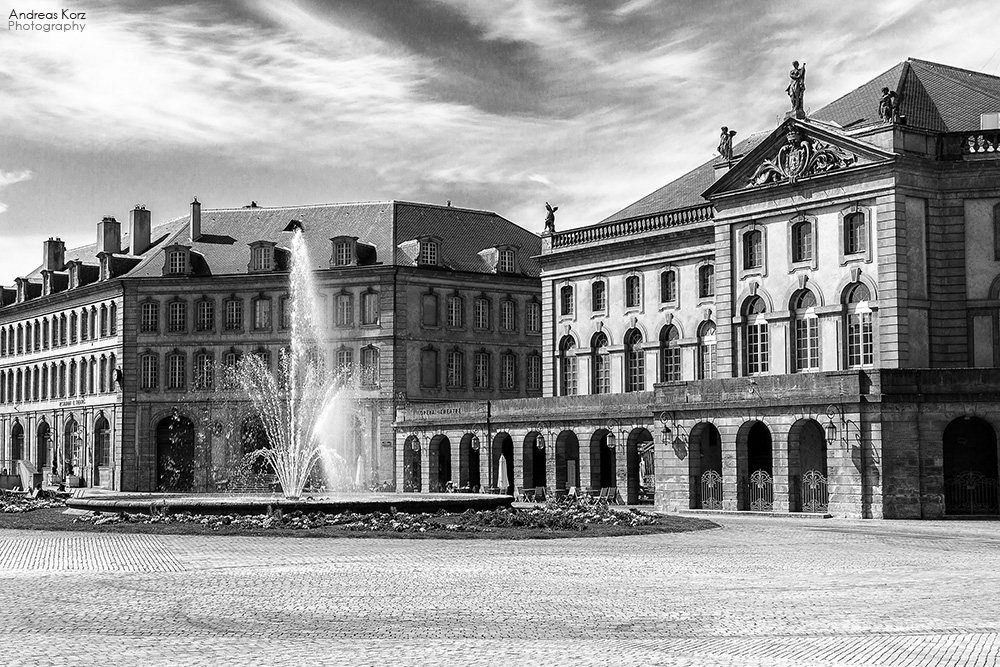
pixel 550 219
pixel 888 106
pixel 797 85
pixel 726 143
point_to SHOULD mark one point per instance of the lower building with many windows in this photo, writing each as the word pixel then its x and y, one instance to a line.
pixel 808 322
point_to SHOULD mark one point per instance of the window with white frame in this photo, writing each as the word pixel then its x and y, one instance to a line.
pixel 533 317
pixel 566 300
pixel 455 311
pixel 205 315
pixel 344 360
pixel 635 362
pixel 670 354
pixel 668 286
pixel 860 327
pixel 369 308
pixel 285 309
pixel 456 362
pixel 343 253
pixel 706 281
pixel 175 370
pixel 508 371
pixel 261 314
pixel 177 261
pixel 598 296
pixel 234 314
pixel 633 292
pixel 482 312
pixel 534 372
pixel 148 371
pixel 369 366
pixel 177 317
pixel 567 367
pixel 149 317
pixel 481 378
pixel 344 310
pixel 855 234
pixel 428 253
pixel 802 241
pixel 261 257
pixel 753 249
pixel 601 364
pixel 204 371
pixel 505 261
pixel 756 337
pixel 707 369
pixel 508 315
pixel 806 332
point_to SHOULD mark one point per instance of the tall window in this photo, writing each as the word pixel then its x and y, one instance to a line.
pixel 668 286
pixel 148 371
pixel 855 234
pixel 756 337
pixel 601 364
pixel 285 312
pixel 345 359
pixel 342 255
pixel 456 363
pixel 204 371
pixel 670 354
pixel 149 317
pixel 482 313
pixel 753 249
pixel 706 351
pixel 860 329
pixel 533 317
pixel 534 371
pixel 482 370
pixel 508 371
pixel 567 367
pixel 706 281
pixel 177 261
pixel 205 315
pixel 633 292
pixel 806 332
pixel 566 300
pixel 175 371
pixel 429 367
pixel 234 315
pixel 113 318
pixel 261 314
pixel 508 315
pixel 369 366
pixel 102 442
pixel 598 296
pixel 428 253
pixel 260 258
pixel 344 310
pixel 429 309
pixel 177 317
pixel 104 323
pixel 802 242
pixel 455 311
pixel 505 262
pixel 635 362
pixel 369 308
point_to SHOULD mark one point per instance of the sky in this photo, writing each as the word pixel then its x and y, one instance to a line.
pixel 494 104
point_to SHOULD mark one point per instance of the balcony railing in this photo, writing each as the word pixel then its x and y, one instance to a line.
pixel 621 228
pixel 973 144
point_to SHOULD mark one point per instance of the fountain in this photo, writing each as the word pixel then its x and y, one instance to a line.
pixel 302 409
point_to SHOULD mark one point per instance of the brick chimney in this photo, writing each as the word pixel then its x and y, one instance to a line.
pixel 195 220
pixel 109 235
pixel 138 230
pixel 54 254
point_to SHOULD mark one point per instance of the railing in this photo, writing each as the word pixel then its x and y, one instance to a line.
pixel 761 491
pixel 815 495
pixel 971 492
pixel 619 228
pixel 981 143
pixel 711 490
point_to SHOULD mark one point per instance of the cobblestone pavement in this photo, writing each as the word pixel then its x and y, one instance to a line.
pixel 756 592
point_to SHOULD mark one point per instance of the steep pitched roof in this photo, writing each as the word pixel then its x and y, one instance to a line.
pixel 932 96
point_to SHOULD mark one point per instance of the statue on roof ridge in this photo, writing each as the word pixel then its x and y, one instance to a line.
pixel 797 85
pixel 888 106
pixel 550 219
pixel 726 143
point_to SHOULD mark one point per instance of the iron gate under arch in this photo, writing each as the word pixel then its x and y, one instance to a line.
pixel 971 492
pixel 815 492
pixel 761 491
pixel 711 490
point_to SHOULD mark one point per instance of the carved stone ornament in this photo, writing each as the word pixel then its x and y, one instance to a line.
pixel 801 157
pixel 855 274
pixel 803 278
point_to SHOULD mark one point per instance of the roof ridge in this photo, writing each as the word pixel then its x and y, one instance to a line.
pixel 445 207
pixel 280 208
pixel 952 67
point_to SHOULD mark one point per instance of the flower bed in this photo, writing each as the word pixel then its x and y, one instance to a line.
pixel 11 502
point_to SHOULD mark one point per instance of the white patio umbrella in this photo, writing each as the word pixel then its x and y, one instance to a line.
pixel 359 474
pixel 503 481
pixel 642 471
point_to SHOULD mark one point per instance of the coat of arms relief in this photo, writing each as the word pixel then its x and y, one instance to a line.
pixel 801 156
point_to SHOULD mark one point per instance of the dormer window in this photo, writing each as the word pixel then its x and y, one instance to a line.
pixel 505 261
pixel 428 253
pixel 344 251
pixel 177 260
pixel 261 256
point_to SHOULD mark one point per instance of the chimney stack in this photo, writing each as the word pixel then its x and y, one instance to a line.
pixel 109 235
pixel 195 219
pixel 138 230
pixel 54 255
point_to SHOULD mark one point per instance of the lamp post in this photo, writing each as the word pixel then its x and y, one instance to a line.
pixel 834 414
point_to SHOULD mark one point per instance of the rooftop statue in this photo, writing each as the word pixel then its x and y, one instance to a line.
pixel 797 85
pixel 726 143
pixel 550 219
pixel 888 106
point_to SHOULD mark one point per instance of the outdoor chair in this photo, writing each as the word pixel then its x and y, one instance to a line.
pixel 540 494
pixel 604 494
pixel 613 497
pixel 572 492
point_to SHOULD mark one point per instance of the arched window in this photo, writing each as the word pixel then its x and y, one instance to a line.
pixel 706 281
pixel 860 329
pixel 706 350
pixel 670 354
pixel 566 300
pixel 369 366
pixel 855 234
pixel 102 442
pixel 806 332
pixel 668 286
pixel 633 292
pixel 16 442
pixel 113 319
pixel 753 249
pixel 756 336
pixel 567 366
pixel 635 362
pixel 455 376
pixel 599 297
pixel 802 241
pixel 601 364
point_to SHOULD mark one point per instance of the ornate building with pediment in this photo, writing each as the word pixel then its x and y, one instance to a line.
pixel 808 323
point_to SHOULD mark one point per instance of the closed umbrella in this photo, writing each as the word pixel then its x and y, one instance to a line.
pixel 642 472
pixel 503 481
pixel 359 474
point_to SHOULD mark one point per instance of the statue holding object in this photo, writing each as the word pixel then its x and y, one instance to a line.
pixel 888 106
pixel 550 219
pixel 726 143
pixel 797 85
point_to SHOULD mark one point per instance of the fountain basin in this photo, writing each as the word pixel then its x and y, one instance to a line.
pixel 361 503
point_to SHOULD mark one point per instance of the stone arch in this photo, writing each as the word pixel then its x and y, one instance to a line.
pixel 175 436
pixel 807 456
pixel 746 296
pixel 603 459
pixel 17 441
pixel 567 460
pixel 753 453
pixel 439 463
pixel 640 474
pixel 847 283
pixel 503 449
pixel 411 464
pixel 704 456
pixel 793 295
pixel 970 471
pixel 533 456
pixel 254 440
pixel 468 462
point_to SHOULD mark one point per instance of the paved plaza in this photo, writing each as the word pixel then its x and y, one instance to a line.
pixel 755 592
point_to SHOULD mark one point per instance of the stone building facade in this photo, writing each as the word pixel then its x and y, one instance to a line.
pixel 808 324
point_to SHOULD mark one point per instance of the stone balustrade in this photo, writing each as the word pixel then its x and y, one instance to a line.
pixel 623 228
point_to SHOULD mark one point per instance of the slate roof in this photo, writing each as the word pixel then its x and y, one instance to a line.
pixel 936 97
pixel 225 235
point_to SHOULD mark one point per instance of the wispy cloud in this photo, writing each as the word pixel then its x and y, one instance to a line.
pixel 10 178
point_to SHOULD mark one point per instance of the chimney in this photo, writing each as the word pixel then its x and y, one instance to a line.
pixel 138 230
pixel 109 235
pixel 195 219
pixel 54 253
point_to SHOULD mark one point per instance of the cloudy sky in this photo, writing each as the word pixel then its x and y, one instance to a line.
pixel 496 104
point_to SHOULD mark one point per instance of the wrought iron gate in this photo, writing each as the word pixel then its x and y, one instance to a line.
pixel 971 492
pixel 761 491
pixel 711 490
pixel 815 495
